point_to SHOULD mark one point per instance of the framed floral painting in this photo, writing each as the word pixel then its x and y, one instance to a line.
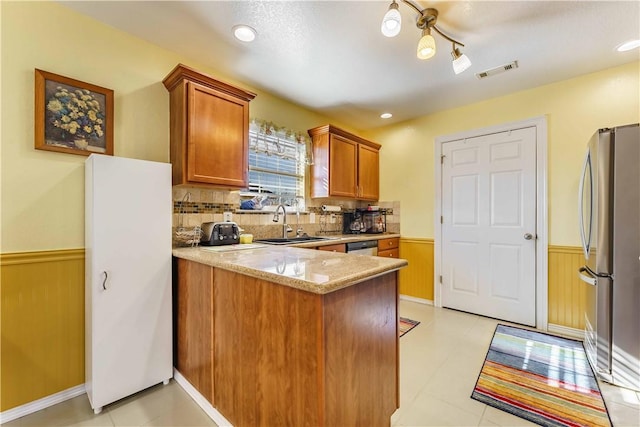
pixel 72 116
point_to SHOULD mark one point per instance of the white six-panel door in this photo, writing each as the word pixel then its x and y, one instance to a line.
pixel 489 225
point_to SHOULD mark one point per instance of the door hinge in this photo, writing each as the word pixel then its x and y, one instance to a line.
pixel 441 220
pixel 442 159
pixel 440 278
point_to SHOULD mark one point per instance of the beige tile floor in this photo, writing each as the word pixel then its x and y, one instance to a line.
pixel 439 362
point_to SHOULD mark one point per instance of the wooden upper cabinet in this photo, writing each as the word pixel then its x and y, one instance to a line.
pixel 343 171
pixel 368 172
pixel 209 130
pixel 345 165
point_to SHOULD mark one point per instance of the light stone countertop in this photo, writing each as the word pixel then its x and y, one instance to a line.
pixel 314 271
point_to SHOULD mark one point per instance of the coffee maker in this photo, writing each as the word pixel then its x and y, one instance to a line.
pixel 355 224
pixel 364 221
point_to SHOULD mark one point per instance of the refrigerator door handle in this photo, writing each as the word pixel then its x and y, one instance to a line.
pixel 587 278
pixel 583 237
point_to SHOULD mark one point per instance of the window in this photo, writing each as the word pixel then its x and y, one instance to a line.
pixel 277 161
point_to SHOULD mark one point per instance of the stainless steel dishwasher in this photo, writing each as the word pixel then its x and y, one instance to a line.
pixel 367 247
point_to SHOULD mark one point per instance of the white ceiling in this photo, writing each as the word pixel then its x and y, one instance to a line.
pixel 331 57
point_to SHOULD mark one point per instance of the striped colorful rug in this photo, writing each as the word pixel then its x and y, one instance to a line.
pixel 544 379
pixel 405 325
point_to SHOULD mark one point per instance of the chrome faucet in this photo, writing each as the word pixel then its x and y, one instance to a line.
pixel 299 231
pixel 276 217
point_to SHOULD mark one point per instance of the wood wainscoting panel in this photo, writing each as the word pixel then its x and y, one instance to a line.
pixel 567 297
pixel 567 293
pixel 416 280
pixel 41 324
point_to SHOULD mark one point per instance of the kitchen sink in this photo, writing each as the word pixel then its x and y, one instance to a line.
pixel 288 241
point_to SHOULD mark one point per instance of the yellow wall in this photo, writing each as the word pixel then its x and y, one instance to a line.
pixel 42 191
pixel 574 108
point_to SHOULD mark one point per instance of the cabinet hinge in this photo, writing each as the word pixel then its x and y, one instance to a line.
pixel 440 278
pixel 441 220
pixel 442 159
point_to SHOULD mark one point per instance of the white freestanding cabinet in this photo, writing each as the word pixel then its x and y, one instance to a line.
pixel 128 326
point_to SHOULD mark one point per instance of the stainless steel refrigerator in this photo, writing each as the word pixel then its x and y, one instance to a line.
pixel 610 231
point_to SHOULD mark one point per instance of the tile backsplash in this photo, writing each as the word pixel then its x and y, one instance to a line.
pixel 192 206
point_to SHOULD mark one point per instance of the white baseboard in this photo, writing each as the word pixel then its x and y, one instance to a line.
pixel 40 404
pixel 414 299
pixel 200 400
pixel 576 334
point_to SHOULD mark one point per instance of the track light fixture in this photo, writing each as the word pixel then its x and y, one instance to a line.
pixel 460 61
pixel 426 45
pixel 392 22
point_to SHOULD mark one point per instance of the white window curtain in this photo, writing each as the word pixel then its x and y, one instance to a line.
pixel 277 162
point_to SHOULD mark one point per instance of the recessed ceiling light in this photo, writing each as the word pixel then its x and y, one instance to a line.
pixel 386 115
pixel 244 33
pixel 631 44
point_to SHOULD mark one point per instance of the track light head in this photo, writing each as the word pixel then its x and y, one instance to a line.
pixel 460 61
pixel 392 21
pixel 426 45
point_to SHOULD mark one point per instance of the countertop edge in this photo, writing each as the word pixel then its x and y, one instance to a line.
pixel 217 261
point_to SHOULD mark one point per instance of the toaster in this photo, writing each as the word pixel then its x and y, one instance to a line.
pixel 219 233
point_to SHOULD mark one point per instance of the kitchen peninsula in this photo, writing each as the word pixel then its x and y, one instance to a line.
pixel 289 336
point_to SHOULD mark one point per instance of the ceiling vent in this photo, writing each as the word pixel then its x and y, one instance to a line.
pixel 497 70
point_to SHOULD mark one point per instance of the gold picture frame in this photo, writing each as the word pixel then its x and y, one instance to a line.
pixel 72 116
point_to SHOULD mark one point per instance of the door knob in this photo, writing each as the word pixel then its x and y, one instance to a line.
pixel 528 236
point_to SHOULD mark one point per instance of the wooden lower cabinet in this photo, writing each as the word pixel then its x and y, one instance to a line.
pixel 287 357
pixel 389 248
pixel 193 302
pixel 361 354
pixel 390 253
pixel 340 247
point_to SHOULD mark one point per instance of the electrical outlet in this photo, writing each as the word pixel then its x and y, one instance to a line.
pixel 227 216
pixel 312 218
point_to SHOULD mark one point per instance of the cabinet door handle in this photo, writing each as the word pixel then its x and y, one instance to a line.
pixel 104 282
